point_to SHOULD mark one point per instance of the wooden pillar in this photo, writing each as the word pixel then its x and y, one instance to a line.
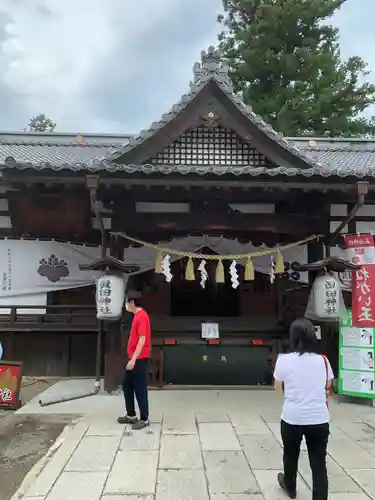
pixel 115 348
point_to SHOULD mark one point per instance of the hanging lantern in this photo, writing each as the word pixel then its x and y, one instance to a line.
pixel 326 301
pixel 110 295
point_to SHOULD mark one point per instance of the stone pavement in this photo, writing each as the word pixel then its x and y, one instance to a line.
pixel 227 449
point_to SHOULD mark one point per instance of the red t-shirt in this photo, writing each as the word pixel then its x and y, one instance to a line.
pixel 140 326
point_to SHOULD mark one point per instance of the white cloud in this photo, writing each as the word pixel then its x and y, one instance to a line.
pixel 116 65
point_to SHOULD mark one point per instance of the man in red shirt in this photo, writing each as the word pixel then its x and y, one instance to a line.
pixel 136 370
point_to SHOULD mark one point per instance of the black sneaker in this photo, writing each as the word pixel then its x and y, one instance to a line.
pixel 127 420
pixel 140 424
pixel 281 481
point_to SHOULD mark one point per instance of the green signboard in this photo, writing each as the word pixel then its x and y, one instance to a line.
pixel 356 359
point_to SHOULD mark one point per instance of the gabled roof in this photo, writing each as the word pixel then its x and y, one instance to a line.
pixel 213 72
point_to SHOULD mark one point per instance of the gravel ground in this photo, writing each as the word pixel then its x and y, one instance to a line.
pixel 25 439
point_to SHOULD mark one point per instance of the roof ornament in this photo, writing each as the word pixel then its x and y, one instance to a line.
pixel 211 66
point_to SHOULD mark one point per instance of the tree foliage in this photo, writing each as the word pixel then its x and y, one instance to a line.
pixel 284 58
pixel 41 123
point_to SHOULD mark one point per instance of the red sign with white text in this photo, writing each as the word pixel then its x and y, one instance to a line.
pixel 10 381
pixel 361 251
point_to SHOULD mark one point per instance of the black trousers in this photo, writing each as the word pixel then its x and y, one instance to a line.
pixel 316 437
pixel 135 382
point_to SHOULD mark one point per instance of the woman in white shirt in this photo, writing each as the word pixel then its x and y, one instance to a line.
pixel 305 378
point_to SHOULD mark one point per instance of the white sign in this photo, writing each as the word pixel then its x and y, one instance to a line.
pixel 318 332
pixel 36 267
pixel 110 295
pixel 326 290
pixel 210 331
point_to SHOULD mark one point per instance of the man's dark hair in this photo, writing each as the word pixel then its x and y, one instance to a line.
pixel 134 296
pixel 303 338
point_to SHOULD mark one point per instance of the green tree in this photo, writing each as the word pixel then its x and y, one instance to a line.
pixel 284 58
pixel 40 123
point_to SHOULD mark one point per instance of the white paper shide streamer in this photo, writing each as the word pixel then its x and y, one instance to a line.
pixel 272 271
pixel 234 274
pixel 203 272
pixel 167 268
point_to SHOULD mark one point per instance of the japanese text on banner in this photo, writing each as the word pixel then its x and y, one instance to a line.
pixel 361 251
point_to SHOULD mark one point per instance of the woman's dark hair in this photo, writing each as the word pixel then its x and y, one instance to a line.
pixel 136 297
pixel 303 338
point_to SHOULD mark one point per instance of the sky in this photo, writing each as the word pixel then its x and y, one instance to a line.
pixel 115 66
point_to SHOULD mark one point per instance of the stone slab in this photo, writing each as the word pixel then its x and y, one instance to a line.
pixel 78 486
pixel 366 480
pixel 133 472
pixel 183 484
pixel 349 496
pixel 360 432
pixel 178 424
pixel 249 424
pixel 228 472
pixel 347 453
pixel 145 440
pixel 94 454
pixel 180 452
pixel 213 417
pixel 34 498
pixel 127 497
pixel 218 437
pixel 262 452
pixel 56 464
pixel 237 496
pixel 338 480
pixel 267 480
pixel 105 429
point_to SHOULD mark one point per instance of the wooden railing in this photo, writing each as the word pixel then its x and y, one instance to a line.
pixel 57 317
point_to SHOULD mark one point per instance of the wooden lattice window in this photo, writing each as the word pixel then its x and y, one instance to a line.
pixel 210 146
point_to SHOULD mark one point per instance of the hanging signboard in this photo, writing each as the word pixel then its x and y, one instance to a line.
pixel 356 359
pixel 10 383
pixel 361 251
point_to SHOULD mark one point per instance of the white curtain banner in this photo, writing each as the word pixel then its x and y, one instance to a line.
pixel 37 267
pixel 145 257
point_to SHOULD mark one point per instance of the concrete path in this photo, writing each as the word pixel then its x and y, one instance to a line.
pixel 203 445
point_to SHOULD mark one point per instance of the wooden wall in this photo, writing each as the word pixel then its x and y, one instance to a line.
pixel 52 354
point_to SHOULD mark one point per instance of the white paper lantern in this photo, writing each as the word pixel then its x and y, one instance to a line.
pixel 110 295
pixel 327 297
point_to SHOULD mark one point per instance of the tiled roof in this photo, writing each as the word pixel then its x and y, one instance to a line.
pixel 60 151
pixel 342 157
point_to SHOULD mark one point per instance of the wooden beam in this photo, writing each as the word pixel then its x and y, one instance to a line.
pixel 230 223
pixel 243 182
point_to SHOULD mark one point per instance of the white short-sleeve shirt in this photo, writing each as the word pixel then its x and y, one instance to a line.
pixel 304 377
